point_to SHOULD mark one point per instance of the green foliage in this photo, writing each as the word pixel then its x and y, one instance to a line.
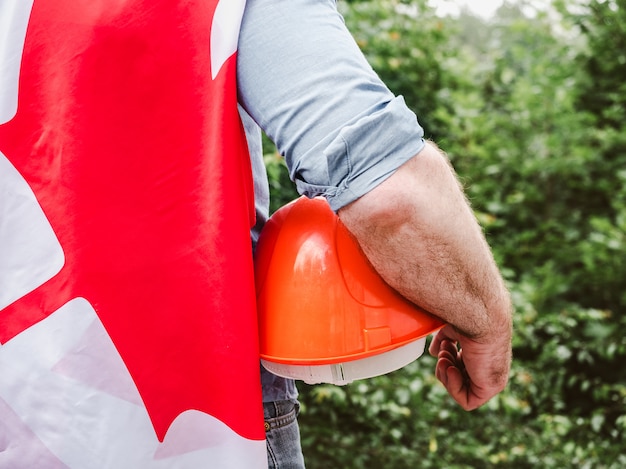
pixel 564 407
pixel 532 112
pixel 604 91
pixel 405 43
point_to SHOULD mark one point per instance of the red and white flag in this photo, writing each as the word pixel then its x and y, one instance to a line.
pixel 128 332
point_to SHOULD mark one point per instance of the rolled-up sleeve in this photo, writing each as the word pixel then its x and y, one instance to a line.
pixel 304 81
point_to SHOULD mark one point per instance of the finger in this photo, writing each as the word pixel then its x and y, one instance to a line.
pixel 441 370
pixel 446 358
pixel 455 384
pixel 448 353
pixel 433 348
pixel 442 335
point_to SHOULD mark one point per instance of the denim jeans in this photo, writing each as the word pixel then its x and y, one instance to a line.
pixel 283 435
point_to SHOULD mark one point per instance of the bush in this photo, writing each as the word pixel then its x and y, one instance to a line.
pixel 533 116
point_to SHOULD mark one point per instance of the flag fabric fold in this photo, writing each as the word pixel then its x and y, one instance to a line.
pixel 128 325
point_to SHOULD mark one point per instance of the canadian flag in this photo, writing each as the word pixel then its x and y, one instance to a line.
pixel 128 332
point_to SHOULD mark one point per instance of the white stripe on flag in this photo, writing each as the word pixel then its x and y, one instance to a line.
pixel 58 406
pixel 14 16
pixel 225 32
pixel 30 253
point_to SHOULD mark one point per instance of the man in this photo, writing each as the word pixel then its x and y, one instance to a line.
pixel 114 307
pixel 302 78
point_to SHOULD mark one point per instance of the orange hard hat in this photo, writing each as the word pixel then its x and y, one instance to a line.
pixel 325 315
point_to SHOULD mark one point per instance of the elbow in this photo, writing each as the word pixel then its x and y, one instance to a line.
pixel 407 196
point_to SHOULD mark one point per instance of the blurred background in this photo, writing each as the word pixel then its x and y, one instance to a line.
pixel 528 98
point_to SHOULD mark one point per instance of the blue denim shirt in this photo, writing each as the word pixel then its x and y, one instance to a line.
pixel 304 81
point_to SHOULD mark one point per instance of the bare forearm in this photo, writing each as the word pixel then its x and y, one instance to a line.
pixel 421 235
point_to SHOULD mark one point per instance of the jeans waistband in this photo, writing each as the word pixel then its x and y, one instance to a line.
pixel 280 413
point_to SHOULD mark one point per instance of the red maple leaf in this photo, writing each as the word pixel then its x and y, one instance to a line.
pixel 139 162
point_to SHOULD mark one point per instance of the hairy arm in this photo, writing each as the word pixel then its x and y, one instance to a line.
pixel 420 234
